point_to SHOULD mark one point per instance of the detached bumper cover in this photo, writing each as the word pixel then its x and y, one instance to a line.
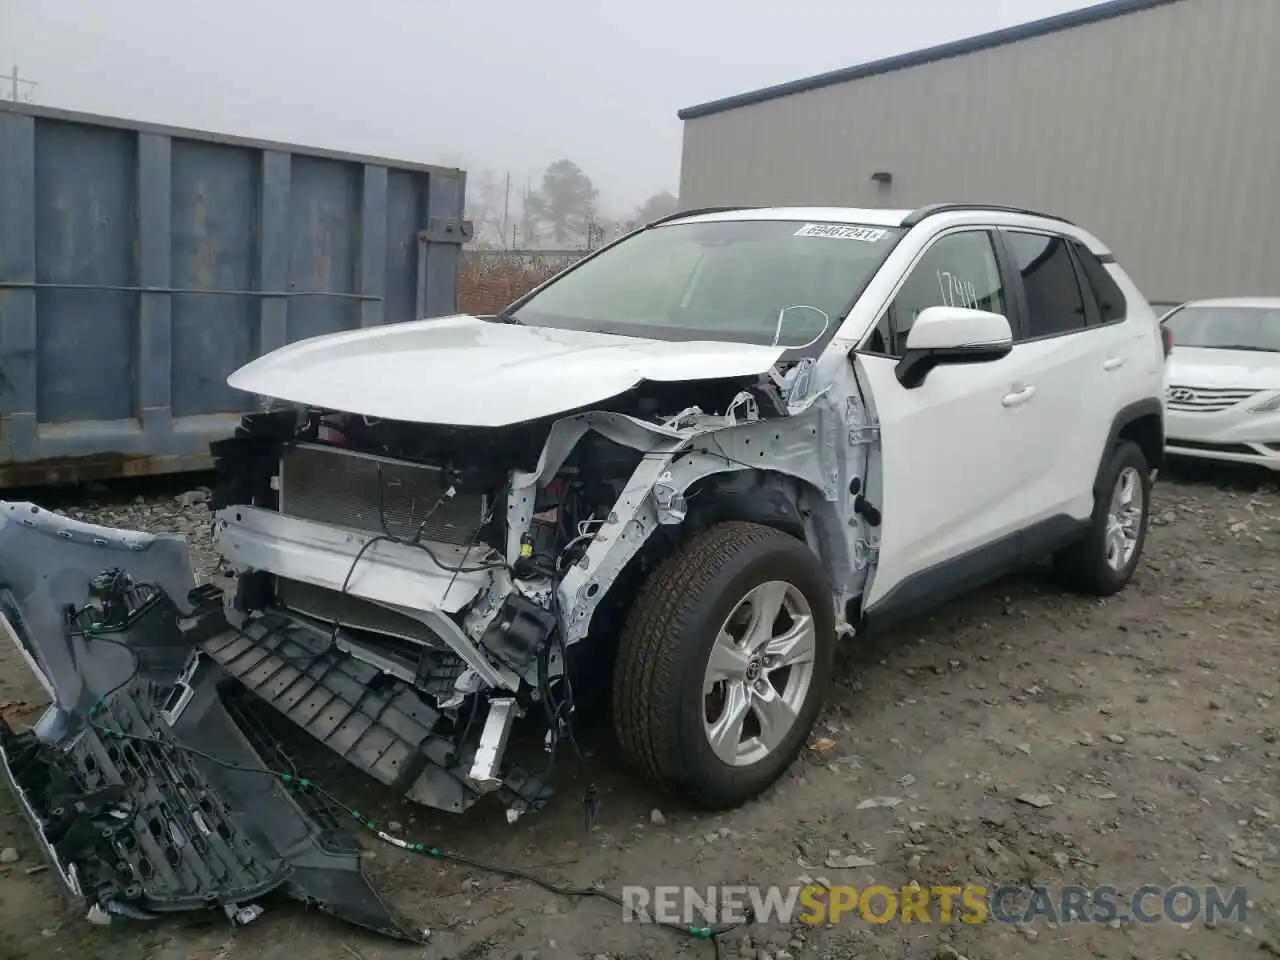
pixel 147 781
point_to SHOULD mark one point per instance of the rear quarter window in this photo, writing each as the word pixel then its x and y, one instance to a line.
pixel 1106 292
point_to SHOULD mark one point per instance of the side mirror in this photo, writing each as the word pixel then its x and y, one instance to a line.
pixel 945 335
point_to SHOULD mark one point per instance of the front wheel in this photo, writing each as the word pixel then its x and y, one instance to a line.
pixel 1103 563
pixel 724 663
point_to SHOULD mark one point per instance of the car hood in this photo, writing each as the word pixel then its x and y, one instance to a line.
pixel 1207 367
pixel 468 372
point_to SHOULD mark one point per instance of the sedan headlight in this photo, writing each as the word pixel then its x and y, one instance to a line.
pixel 1269 405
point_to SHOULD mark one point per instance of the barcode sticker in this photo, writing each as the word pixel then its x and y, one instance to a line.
pixel 840 231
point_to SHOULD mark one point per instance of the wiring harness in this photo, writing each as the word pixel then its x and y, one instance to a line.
pixel 120 601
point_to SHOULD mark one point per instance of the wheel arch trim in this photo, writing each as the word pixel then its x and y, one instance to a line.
pixel 1126 417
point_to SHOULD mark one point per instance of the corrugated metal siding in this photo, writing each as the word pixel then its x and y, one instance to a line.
pixel 1158 131
pixel 141 265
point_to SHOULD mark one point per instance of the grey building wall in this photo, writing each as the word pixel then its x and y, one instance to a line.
pixel 1157 130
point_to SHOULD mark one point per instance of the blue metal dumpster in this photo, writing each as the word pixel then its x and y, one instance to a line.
pixel 140 265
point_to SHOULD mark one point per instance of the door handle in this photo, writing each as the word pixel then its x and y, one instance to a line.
pixel 1019 396
pixel 1114 363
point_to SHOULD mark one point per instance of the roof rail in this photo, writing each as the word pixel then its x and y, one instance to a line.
pixel 933 209
pixel 697 212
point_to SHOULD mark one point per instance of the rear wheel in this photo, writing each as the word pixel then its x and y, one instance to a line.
pixel 1104 561
pixel 724 663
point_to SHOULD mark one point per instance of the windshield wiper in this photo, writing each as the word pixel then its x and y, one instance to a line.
pixel 505 318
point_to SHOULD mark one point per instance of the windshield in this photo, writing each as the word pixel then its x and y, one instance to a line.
pixel 1227 328
pixel 769 282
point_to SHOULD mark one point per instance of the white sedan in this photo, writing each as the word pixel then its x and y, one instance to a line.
pixel 1224 381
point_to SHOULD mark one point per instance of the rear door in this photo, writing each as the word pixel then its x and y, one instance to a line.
pixel 951 472
pixel 1078 365
pixel 1136 352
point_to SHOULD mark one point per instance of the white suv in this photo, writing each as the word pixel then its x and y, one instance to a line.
pixel 677 471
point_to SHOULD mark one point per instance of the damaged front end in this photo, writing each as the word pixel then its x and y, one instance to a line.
pixel 409 591
pixel 415 571
pixel 406 592
pixel 148 781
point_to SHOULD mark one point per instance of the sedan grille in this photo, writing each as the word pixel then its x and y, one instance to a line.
pixel 376 495
pixel 1205 399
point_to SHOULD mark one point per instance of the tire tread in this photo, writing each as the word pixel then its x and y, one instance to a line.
pixel 645 688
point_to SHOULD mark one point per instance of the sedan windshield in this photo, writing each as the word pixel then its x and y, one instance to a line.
pixel 1227 328
pixel 771 282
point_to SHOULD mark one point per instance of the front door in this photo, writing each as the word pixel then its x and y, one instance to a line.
pixel 952 477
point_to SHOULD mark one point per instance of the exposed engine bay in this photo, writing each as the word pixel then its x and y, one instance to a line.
pixel 405 594
pixel 454 561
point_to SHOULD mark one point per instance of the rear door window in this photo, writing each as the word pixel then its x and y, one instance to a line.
pixel 1055 303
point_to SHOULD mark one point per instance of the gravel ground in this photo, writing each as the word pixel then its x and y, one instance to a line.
pixel 1148 724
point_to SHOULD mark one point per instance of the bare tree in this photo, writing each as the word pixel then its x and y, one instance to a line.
pixel 528 229
pixel 488 208
pixel 487 203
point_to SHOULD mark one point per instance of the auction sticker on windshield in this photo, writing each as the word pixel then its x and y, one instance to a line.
pixel 840 231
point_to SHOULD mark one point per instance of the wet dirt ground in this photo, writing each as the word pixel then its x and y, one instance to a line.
pixel 1143 729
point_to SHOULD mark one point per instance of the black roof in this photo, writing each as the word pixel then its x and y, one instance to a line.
pixel 1023 31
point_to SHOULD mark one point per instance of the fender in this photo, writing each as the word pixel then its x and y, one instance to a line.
pixel 809 447
pixel 1125 418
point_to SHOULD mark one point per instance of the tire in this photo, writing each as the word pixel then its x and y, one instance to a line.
pixel 1093 565
pixel 661 707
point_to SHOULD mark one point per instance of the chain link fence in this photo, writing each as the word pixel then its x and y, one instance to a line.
pixel 490 280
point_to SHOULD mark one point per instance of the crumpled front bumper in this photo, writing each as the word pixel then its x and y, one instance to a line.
pixel 148 782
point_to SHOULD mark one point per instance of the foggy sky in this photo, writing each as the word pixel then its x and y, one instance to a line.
pixel 502 84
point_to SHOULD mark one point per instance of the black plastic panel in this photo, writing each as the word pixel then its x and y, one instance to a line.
pixel 140 819
pixel 377 723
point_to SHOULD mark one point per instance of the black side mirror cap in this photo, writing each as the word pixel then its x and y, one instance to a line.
pixel 915 365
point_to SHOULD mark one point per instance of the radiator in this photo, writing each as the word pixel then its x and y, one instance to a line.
pixel 376 495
